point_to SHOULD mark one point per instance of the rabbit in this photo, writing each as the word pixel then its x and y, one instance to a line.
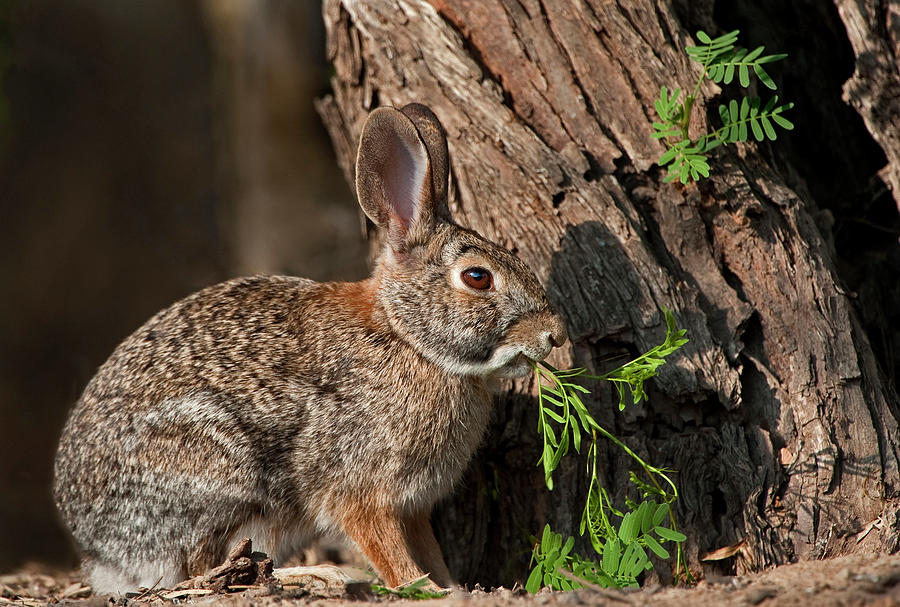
pixel 278 408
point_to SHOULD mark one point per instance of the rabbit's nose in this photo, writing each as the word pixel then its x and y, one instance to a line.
pixel 558 334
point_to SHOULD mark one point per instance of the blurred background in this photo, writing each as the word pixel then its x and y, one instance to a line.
pixel 148 148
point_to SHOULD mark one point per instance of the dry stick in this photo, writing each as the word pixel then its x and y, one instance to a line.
pixel 148 590
pixel 177 594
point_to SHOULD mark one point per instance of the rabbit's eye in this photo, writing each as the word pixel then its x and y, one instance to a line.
pixel 477 278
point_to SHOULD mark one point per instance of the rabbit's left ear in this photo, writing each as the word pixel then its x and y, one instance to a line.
pixel 395 173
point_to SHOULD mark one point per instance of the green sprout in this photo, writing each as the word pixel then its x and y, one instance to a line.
pixel 721 59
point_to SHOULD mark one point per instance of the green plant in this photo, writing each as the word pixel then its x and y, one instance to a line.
pixel 416 590
pixel 721 60
pixel 563 419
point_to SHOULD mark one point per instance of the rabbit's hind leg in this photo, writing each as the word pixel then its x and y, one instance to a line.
pixel 179 476
pixel 425 549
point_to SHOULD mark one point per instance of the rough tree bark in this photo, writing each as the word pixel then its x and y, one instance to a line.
pixel 782 429
pixel 874 90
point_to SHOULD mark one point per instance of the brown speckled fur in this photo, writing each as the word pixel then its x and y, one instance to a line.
pixel 282 408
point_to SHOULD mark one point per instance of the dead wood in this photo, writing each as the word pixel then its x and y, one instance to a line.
pixel 241 568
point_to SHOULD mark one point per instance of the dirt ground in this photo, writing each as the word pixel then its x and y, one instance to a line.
pixel 852 580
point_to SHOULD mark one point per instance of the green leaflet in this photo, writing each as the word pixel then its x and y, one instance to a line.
pixel 415 590
pixel 721 60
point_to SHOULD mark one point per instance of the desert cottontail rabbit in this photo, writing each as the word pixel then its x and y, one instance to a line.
pixel 278 408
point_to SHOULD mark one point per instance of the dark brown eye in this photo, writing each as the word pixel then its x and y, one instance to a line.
pixel 477 278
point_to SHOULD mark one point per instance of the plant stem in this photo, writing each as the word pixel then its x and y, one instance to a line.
pixel 685 122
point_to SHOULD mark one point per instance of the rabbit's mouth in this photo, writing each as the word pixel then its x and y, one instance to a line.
pixel 518 366
pixel 520 358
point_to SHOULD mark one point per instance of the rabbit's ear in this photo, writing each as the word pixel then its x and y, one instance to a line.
pixel 394 174
pixel 435 139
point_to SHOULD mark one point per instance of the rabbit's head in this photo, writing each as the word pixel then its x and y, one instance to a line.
pixel 463 302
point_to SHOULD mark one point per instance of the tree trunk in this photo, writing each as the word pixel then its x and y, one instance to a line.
pixel 776 416
pixel 874 90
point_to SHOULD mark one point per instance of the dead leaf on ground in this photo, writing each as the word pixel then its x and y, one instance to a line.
pixel 723 553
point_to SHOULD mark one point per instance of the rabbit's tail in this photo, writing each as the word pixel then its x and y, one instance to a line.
pixel 126 576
